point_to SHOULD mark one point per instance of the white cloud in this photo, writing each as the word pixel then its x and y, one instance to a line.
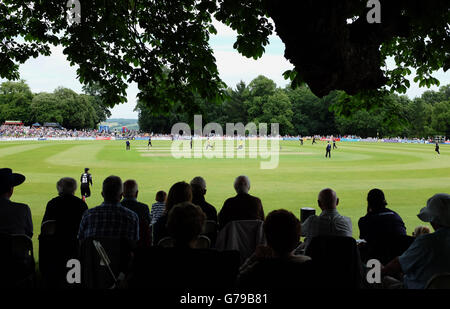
pixel 234 67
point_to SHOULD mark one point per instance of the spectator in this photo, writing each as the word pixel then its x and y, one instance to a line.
pixel 66 209
pixel 329 222
pixel 273 264
pixel 429 254
pixel 110 219
pixel 180 192
pixel 198 185
pixel 420 230
pixel 243 206
pixel 130 194
pixel 158 207
pixel 185 223
pixel 379 222
pixel 15 218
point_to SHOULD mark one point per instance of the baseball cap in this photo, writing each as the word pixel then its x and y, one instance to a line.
pixel 437 210
pixel 9 179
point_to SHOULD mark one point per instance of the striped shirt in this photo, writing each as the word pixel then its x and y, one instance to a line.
pixel 157 211
pixel 109 220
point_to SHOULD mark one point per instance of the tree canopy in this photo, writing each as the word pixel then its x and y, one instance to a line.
pixel 300 112
pixel 124 41
pixel 65 106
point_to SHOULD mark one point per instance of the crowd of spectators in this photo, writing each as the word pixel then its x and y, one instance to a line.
pixel 278 260
pixel 32 132
pixel 11 131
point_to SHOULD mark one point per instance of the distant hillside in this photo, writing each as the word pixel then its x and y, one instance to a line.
pixel 118 123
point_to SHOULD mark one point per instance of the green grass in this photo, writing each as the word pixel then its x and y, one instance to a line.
pixel 408 174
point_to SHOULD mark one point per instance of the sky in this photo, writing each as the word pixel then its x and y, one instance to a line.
pixel 46 73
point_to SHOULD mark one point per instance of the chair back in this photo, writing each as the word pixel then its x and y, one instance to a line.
pixel 439 281
pixel 166 242
pixel 54 252
pixel 211 229
pixel 176 268
pixel 202 242
pixel 279 273
pixel 387 248
pixel 94 273
pixel 337 261
pixel 48 227
pixel 241 235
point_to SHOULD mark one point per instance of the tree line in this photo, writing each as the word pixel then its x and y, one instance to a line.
pixel 300 112
pixel 64 106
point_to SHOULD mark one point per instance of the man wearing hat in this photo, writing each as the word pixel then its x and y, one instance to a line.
pixel 15 218
pixel 86 180
pixel 429 254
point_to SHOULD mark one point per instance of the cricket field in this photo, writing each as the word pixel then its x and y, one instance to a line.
pixel 408 173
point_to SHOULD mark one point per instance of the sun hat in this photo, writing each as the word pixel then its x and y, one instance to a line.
pixel 437 210
pixel 9 179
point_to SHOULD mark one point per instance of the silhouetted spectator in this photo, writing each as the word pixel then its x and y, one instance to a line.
pixel 198 185
pixel 329 222
pixel 276 265
pixel 185 223
pixel 110 219
pixel 180 192
pixel 66 209
pixel 158 207
pixel 15 218
pixel 379 222
pixel 243 206
pixel 429 254
pixel 130 194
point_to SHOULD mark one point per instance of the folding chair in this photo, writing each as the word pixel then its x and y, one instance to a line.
pixel 103 260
